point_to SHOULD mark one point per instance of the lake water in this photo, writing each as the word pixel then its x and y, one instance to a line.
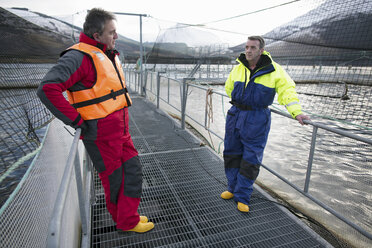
pixel 342 168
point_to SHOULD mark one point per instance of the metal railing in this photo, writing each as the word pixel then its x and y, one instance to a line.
pixel 83 180
pixel 305 191
pixel 57 235
pixel 159 90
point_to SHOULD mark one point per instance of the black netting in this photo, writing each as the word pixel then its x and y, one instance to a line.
pixel 23 120
pixel 327 50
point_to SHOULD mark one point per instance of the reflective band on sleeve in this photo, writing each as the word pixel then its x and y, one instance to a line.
pixel 290 104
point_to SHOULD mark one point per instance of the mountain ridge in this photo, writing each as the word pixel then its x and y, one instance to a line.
pixel 332 29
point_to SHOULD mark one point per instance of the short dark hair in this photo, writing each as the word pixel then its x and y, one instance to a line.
pixel 259 38
pixel 95 21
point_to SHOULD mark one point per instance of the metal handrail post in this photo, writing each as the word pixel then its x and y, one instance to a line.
pixel 56 219
pixel 88 187
pixel 141 58
pixel 157 89
pixel 310 160
pixel 185 88
pixel 151 82
pixel 145 83
pixel 136 82
pixel 93 199
pixel 79 187
pixel 168 90
pixel 140 90
pixel 205 113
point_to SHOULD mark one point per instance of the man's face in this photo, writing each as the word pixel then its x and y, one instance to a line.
pixel 109 35
pixel 252 50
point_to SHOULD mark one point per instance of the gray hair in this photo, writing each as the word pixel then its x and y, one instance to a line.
pixel 95 21
pixel 259 38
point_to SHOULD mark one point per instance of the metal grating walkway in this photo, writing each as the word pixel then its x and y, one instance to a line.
pixel 181 195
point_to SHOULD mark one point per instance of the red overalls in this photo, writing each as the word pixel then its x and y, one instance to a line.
pixel 107 140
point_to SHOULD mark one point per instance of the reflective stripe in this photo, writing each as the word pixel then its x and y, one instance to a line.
pixel 290 104
pixel 268 82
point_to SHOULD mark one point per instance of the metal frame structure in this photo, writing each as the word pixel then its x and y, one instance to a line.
pixel 184 88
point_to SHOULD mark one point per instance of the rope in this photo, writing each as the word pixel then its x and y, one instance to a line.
pixel 18 163
pixel 209 106
pixel 209 111
pixel 224 116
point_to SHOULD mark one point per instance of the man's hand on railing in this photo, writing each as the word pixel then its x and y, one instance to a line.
pixel 301 119
pixel 83 127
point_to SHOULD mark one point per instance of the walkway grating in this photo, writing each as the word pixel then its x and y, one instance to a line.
pixel 181 188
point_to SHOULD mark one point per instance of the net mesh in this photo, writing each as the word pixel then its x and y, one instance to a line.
pixel 324 46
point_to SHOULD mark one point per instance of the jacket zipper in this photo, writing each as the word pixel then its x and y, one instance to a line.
pixel 245 82
pixel 122 85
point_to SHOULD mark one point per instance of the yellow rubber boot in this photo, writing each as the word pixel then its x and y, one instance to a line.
pixel 243 207
pixel 227 195
pixel 143 219
pixel 142 227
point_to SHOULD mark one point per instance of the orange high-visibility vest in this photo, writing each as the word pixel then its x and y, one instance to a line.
pixel 108 93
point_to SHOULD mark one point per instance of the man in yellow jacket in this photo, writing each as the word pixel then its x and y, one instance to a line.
pixel 252 85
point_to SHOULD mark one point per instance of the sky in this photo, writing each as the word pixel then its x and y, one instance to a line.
pixel 230 21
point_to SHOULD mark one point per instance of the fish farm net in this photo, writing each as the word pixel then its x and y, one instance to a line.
pixel 324 45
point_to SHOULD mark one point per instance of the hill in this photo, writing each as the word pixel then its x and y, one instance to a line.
pixel 332 29
pixel 23 39
pixel 36 37
pixel 334 32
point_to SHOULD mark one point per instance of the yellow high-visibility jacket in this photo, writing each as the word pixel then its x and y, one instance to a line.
pixel 258 90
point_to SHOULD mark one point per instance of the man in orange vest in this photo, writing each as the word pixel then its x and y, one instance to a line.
pixel 98 102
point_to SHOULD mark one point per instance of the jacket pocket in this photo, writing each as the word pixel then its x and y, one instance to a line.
pixel 256 126
pixel 232 115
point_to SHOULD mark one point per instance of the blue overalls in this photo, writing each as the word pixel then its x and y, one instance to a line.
pixel 247 128
pixel 248 120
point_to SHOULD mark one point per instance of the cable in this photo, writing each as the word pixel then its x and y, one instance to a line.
pixel 228 18
pixel 249 13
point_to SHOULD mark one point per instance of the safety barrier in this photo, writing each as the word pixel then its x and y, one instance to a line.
pixel 183 99
pixel 50 206
pixel 60 228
